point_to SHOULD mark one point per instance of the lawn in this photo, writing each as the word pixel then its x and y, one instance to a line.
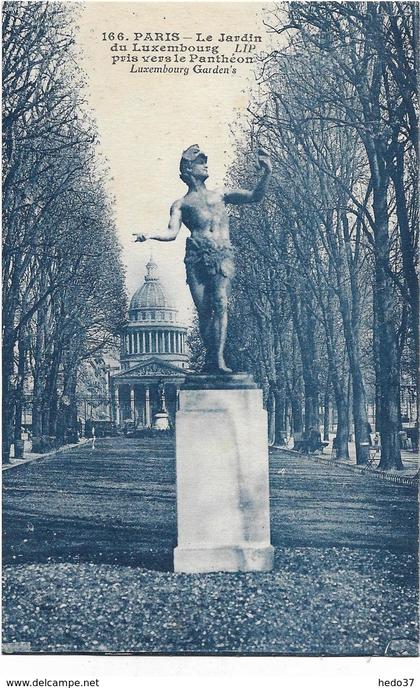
pixel 87 557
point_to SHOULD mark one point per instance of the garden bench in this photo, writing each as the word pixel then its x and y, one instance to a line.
pixel 307 446
pixel 374 455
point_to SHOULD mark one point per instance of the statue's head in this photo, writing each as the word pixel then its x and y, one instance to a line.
pixel 193 165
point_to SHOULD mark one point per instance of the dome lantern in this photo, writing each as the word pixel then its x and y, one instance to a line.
pixel 151 271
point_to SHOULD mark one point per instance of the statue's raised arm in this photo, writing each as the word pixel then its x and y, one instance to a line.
pixel 240 196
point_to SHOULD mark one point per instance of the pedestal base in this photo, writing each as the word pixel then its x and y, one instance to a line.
pixel 230 559
pixel 222 481
pixel 161 421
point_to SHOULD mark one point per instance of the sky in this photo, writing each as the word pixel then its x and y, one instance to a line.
pixel 145 121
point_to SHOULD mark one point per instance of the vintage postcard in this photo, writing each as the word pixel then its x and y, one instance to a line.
pixel 210 331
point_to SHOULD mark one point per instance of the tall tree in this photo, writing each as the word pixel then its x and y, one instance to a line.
pixel 59 243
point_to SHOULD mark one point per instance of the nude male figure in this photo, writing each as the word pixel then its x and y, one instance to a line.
pixel 209 253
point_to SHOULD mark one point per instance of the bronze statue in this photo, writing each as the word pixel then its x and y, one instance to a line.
pixel 209 253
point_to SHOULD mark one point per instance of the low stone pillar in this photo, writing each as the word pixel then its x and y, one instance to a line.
pixel 161 418
pixel 147 410
pixel 222 476
pixel 118 405
pixel 132 404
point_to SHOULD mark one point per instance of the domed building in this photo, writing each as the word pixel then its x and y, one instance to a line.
pixel 153 357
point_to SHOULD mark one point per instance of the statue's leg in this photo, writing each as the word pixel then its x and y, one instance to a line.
pixel 221 288
pixel 202 299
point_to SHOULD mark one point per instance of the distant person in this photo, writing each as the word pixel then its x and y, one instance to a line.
pixel 403 439
pixel 415 438
pixel 370 432
pixel 88 428
pixel 93 437
pixel 314 439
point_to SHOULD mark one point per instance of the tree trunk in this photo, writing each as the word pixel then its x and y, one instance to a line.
pixel 342 434
pixel 19 400
pixel 388 355
pixel 67 413
pixel 280 425
pixel 310 373
pixel 38 382
pixel 305 322
pixel 376 358
pixel 297 421
pixel 271 405
pixel 360 419
pixel 73 407
pixel 51 392
pixel 326 422
pixel 336 377
pixel 7 394
pixel 408 254
pixel 311 405
pixel 361 428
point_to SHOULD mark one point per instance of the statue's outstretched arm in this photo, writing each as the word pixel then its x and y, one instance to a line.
pixel 175 222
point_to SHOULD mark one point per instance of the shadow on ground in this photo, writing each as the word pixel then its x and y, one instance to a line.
pixel 116 505
pixel 88 541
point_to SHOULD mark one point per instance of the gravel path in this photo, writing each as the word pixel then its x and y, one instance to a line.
pixel 87 552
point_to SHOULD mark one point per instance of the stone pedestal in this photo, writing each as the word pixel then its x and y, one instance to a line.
pixel 161 421
pixel 222 477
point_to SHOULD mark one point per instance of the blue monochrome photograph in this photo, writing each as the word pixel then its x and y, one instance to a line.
pixel 210 315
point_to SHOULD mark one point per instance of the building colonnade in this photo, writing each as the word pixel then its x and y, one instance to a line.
pixel 154 342
pixel 138 402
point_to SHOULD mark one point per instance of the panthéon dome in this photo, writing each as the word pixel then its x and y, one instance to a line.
pixel 153 328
